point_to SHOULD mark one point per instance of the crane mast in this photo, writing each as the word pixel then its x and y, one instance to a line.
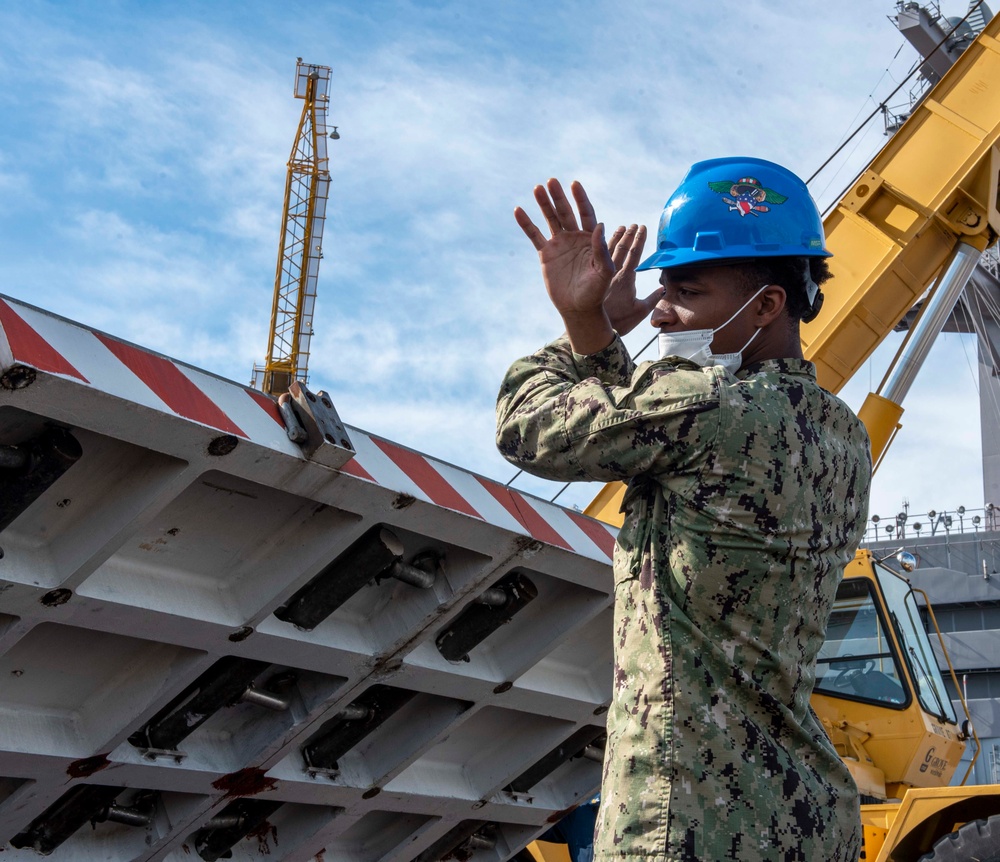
pixel 307 188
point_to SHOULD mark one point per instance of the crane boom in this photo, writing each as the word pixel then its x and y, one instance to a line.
pixel 307 188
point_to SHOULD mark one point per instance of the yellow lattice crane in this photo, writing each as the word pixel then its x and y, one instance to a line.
pixel 301 246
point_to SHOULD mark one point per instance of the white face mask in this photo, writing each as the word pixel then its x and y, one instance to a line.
pixel 695 345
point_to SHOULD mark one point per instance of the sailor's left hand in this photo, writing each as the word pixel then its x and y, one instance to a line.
pixel 626 310
pixel 576 264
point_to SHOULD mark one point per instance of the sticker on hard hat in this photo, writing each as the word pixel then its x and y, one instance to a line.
pixel 747 196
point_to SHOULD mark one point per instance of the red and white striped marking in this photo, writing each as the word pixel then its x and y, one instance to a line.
pixel 59 347
pixel 393 466
pixel 56 346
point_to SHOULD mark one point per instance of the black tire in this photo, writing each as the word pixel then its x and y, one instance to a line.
pixel 978 841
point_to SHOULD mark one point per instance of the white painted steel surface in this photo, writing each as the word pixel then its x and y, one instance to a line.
pixel 150 560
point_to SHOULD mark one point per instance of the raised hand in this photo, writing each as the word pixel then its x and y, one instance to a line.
pixel 576 264
pixel 625 310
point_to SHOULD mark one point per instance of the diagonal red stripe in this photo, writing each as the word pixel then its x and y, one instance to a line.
pixel 29 347
pixel 596 531
pixel 171 386
pixel 355 469
pixel 525 514
pixel 268 404
pixel 427 478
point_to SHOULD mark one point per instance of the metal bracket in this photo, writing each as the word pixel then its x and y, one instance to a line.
pixel 326 441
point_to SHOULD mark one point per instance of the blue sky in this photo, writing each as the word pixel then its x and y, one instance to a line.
pixel 142 165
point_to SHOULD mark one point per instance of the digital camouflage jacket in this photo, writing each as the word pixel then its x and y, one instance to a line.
pixel 747 496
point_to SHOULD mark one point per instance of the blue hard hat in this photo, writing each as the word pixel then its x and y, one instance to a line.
pixel 737 208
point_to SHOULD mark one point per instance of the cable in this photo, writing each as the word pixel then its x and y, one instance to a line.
pixel 885 102
pixel 975 308
pixel 837 173
pixel 887 72
pixel 871 95
pixel 979 326
pixel 963 313
pixel 563 488
pixel 645 347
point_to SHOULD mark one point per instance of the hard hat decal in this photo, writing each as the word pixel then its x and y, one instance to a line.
pixel 747 196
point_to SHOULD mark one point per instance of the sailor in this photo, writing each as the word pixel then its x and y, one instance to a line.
pixel 747 495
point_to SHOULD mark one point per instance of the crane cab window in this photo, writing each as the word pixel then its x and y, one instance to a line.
pixel 857 660
pixel 916 645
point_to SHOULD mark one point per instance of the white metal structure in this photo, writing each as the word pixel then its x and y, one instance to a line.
pixel 202 650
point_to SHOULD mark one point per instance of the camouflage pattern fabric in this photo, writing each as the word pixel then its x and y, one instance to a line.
pixel 747 496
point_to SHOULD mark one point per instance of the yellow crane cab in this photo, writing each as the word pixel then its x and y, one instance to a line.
pixel 878 690
pixel 884 704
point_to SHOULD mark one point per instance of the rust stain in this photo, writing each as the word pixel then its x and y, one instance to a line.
pixel 387 666
pixel 528 546
pixel 88 766
pixel 246 782
pixel 262 833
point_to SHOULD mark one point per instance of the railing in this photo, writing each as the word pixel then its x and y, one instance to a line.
pixel 910 527
pixel 963 539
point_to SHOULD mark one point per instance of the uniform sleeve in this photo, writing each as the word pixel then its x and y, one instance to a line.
pixel 568 417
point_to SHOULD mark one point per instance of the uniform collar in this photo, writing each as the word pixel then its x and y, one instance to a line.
pixel 778 366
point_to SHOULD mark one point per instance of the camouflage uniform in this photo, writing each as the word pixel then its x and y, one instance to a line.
pixel 748 495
